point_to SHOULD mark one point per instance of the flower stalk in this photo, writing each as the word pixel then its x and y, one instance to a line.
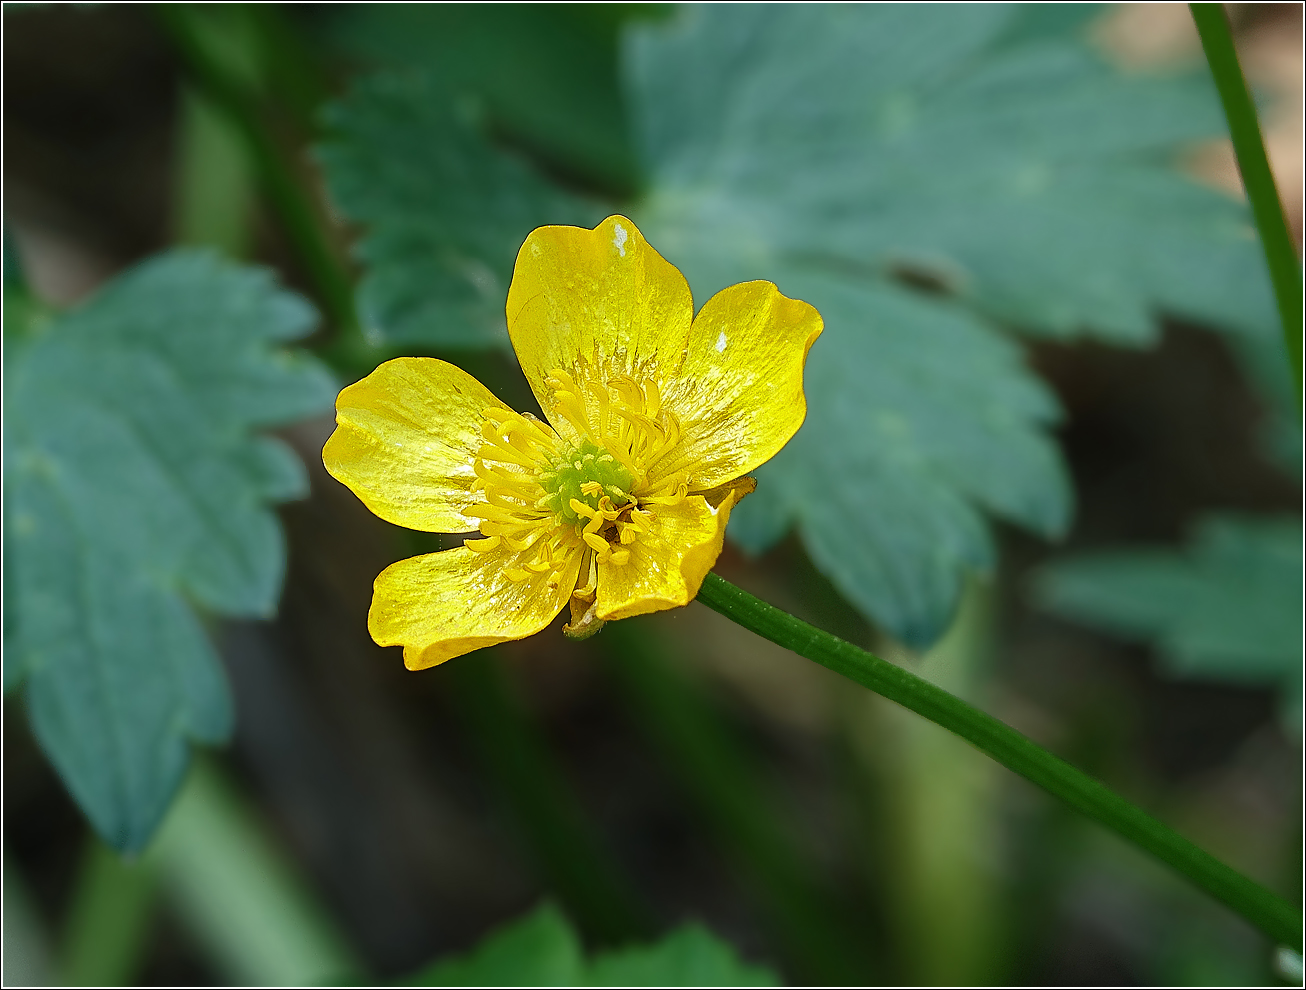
pixel 1254 166
pixel 1268 912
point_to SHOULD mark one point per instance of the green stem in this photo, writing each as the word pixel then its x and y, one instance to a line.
pixel 1268 912
pixel 1249 147
pixel 240 896
pixel 108 925
pixel 282 186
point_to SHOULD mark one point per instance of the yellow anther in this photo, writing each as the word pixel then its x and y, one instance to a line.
pixel 591 488
pixel 515 574
pixel 482 546
pixel 620 557
pixel 581 509
pixel 595 542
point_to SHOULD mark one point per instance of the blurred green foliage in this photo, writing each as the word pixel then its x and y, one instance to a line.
pixel 920 420
pixel 249 905
pixel 986 147
pixel 543 950
pixel 1227 607
pixel 563 842
pixel 754 833
pixel 136 489
pixel 547 75
pixel 443 210
pixel 929 177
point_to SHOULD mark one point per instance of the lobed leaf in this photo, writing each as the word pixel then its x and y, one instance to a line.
pixel 920 420
pixel 542 949
pixel 444 213
pixel 690 956
pixel 986 146
pixel 1227 607
pixel 547 73
pixel 135 494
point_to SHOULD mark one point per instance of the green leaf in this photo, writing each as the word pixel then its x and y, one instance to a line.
pixel 547 73
pixel 538 950
pixel 989 148
pixel 690 956
pixel 134 494
pixel 1227 607
pixel 543 949
pixel 920 419
pixel 444 212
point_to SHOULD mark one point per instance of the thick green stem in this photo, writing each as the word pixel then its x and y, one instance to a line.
pixel 240 896
pixel 1273 915
pixel 1249 147
pixel 108 926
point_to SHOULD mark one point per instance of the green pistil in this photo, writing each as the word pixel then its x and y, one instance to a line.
pixel 585 464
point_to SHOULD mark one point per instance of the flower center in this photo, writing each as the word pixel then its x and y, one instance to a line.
pixel 586 476
pixel 584 505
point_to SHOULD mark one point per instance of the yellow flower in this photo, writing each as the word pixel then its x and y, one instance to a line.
pixel 618 504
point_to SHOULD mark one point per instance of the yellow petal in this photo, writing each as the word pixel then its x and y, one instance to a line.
pixel 405 440
pixel 737 490
pixel 739 393
pixel 597 304
pixel 443 605
pixel 667 565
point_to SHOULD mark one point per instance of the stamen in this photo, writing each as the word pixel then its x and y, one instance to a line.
pixel 548 503
pixel 498 452
pixel 523 543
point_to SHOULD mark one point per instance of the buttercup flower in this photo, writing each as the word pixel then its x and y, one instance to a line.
pixel 618 504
